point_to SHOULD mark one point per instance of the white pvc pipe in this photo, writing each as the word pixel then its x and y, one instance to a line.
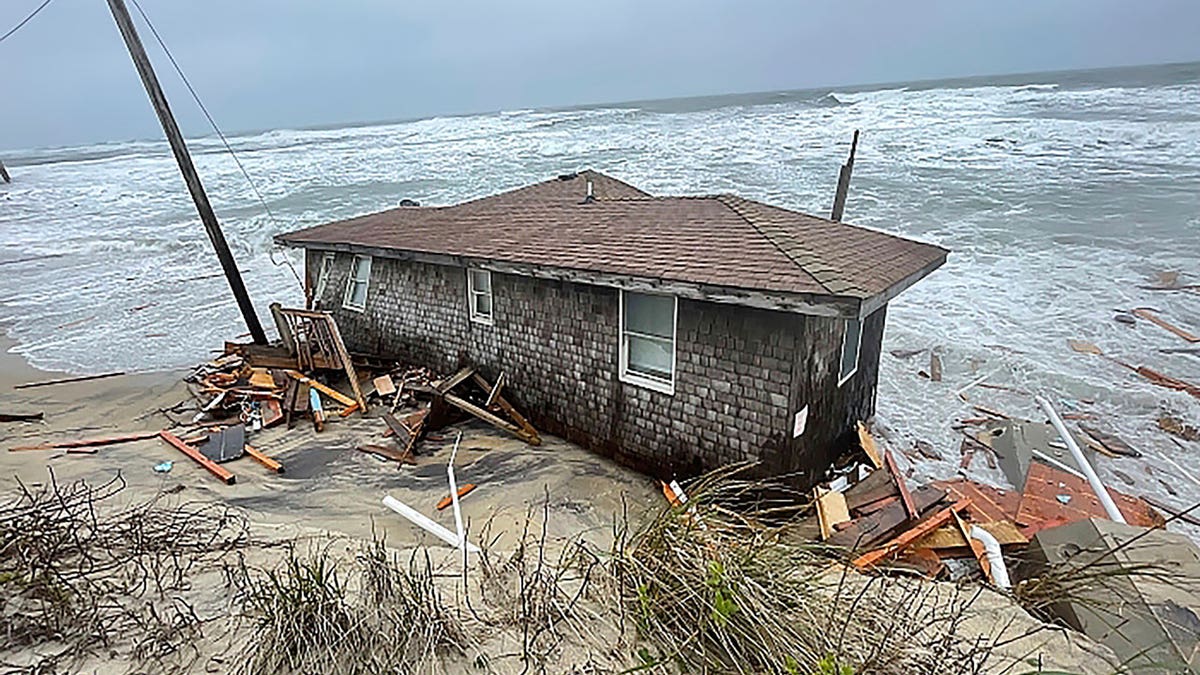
pixel 1110 507
pixel 427 524
pixel 458 521
pixel 995 558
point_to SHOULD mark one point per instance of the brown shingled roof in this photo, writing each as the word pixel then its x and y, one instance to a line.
pixel 722 240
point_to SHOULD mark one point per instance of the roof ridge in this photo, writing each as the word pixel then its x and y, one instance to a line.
pixel 736 204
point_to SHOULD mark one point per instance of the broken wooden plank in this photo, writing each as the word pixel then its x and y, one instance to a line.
pixel 867 443
pixel 905 496
pixel 463 491
pixel 266 461
pixel 876 486
pixel 328 391
pixel 88 442
pixel 868 531
pixel 384 385
pixel 215 469
pixel 347 363
pixel 408 431
pixel 68 380
pixel 1149 315
pixel 909 536
pixel 468 407
pixel 935 367
pixel 22 417
pixel 454 380
pixel 1110 442
pixel 533 437
pixel 388 453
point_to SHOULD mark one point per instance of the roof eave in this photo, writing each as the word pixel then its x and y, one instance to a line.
pixel 872 304
pixel 841 306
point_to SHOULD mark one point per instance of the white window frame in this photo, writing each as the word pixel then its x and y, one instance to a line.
pixel 630 377
pixel 846 323
pixel 351 280
pixel 323 273
pixel 485 319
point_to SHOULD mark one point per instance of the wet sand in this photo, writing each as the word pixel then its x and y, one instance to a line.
pixel 327 484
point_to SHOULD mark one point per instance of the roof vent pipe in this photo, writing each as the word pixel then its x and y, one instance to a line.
pixel 591 197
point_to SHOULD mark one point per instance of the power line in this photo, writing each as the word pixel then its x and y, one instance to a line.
pixel 213 123
pixel 24 21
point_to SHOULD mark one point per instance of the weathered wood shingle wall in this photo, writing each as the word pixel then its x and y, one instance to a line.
pixel 741 373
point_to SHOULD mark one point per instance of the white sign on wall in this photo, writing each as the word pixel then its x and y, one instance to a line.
pixel 800 422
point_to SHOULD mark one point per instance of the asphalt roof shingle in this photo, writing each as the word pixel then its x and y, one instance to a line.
pixel 719 240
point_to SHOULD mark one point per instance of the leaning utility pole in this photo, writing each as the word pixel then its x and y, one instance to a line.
pixel 843 186
pixel 159 100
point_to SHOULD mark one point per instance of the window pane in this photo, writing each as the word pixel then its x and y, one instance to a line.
pixel 650 314
pixel 850 345
pixel 649 357
pixel 481 281
pixel 358 296
pixel 362 269
pixel 483 304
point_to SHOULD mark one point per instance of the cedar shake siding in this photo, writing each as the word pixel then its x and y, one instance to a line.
pixel 741 373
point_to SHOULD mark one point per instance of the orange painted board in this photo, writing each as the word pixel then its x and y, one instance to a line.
pixel 1041 508
pixel 264 460
pixel 212 467
pixel 463 491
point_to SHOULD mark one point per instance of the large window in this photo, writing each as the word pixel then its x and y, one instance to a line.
pixel 648 340
pixel 356 284
pixel 851 342
pixel 479 295
pixel 322 277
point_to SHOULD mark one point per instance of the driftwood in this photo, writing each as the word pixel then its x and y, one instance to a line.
pixel 67 380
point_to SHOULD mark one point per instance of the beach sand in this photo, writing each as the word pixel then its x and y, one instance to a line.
pixel 330 497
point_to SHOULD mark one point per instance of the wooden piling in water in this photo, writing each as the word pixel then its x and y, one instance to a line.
pixel 4 173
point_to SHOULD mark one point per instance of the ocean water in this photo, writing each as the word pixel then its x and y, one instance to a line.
pixel 1060 195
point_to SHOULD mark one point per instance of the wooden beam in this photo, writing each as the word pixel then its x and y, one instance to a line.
pixel 340 347
pixel 454 380
pixel 88 442
pixel 67 380
pixel 467 406
pixel 328 391
pixel 511 412
pixel 264 460
pixel 495 392
pixel 905 496
pixel 215 469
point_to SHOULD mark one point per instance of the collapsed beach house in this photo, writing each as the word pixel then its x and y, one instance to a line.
pixel 674 334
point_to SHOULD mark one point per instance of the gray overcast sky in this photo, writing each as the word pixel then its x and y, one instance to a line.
pixel 66 78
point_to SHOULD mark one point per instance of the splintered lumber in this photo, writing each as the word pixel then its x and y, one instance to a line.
pixel 212 467
pixel 388 453
pixel 977 548
pixel 876 486
pixel 950 538
pixel 906 498
pixel 908 537
pixel 1109 442
pixel 264 460
pixel 867 442
pixel 344 355
pixel 869 531
pixel 328 391
pixel 463 491
pixel 1167 381
pixel 454 380
pixel 407 431
pixel 260 378
pixel 831 511
pixel 935 367
pixel 495 392
pixel 1149 315
pixel 67 380
pixel 468 407
pixel 533 438
pixel 88 442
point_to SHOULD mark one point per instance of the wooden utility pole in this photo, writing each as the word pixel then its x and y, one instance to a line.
pixel 171 129
pixel 4 174
pixel 843 186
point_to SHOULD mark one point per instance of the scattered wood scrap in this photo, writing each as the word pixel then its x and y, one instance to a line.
pixel 1175 427
pixel 867 443
pixel 88 442
pixel 831 512
pixel 388 452
pixel 212 467
pixel 68 380
pixel 1152 317
pixel 463 491
pixel 908 537
pixel 1110 442
pixel 22 417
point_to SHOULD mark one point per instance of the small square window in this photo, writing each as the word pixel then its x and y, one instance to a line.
pixel 648 340
pixel 851 343
pixel 479 295
pixel 356 284
pixel 322 278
